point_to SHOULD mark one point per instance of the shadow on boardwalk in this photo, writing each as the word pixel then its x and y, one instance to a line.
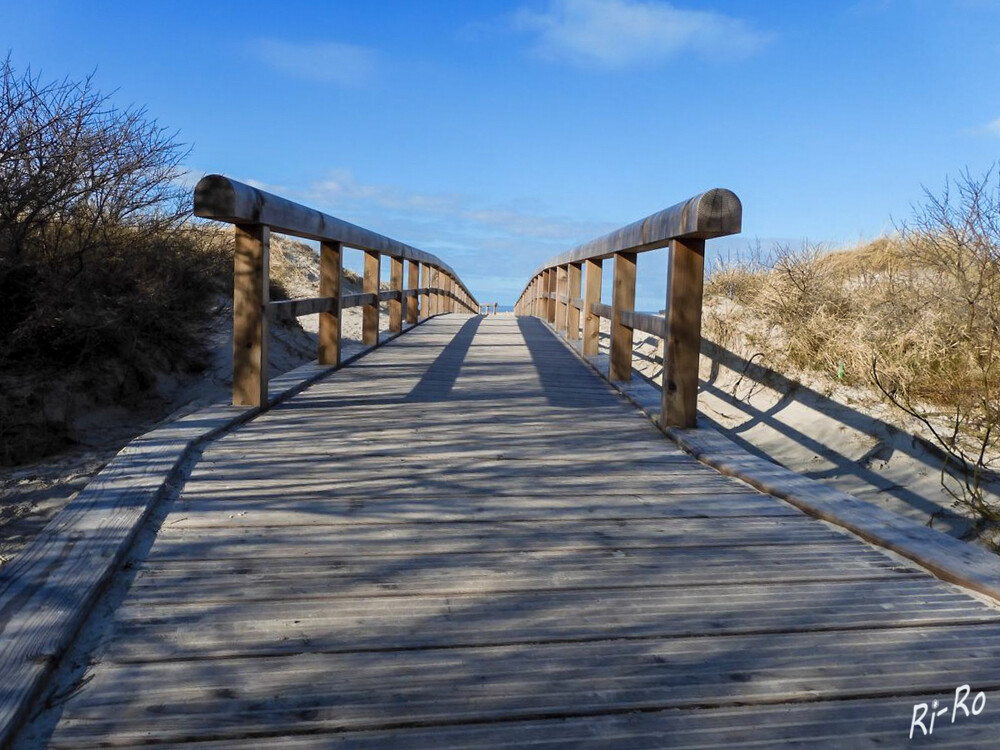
pixel 361 569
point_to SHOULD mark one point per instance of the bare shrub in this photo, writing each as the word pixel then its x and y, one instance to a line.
pixel 917 315
pixel 102 282
pixel 954 240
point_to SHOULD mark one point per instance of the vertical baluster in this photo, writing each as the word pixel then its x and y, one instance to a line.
pixel 330 270
pixel 623 299
pixel 550 308
pixel 573 311
pixel 412 282
pixel 682 348
pixel 396 285
pixel 561 306
pixel 425 296
pixel 251 292
pixel 592 296
pixel 369 322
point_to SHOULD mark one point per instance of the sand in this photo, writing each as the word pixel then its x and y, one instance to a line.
pixel 846 437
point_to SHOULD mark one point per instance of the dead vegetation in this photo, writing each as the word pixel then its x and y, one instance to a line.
pixel 915 316
pixel 105 282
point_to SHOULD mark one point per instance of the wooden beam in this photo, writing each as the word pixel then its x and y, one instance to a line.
pixel 223 199
pixel 592 296
pixel 251 291
pixel 573 311
pixel 682 343
pixel 623 298
pixel 715 213
pixel 396 285
pixel 359 300
pixel 436 294
pixel 290 309
pixel 412 282
pixel 550 300
pixel 646 322
pixel 424 310
pixel 331 263
pixel 603 311
pixel 369 323
pixel 562 279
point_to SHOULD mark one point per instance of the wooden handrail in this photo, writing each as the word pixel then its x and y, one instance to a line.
pixel 554 293
pixel 255 213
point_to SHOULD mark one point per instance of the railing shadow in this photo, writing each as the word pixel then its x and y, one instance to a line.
pixel 889 439
pixel 440 377
pixel 470 601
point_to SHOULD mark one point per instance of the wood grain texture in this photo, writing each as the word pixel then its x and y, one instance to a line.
pixel 370 312
pixel 575 303
pixel 682 342
pixel 426 550
pixel 250 324
pixel 592 296
pixel 412 284
pixel 424 310
pixel 396 303
pixel 623 300
pixel 562 283
pixel 331 268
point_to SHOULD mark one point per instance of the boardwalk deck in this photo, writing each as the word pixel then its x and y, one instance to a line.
pixel 466 539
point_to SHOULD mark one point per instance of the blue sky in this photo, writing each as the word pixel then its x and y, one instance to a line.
pixel 496 134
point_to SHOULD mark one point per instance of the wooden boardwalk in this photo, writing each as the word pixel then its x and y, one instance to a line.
pixel 467 539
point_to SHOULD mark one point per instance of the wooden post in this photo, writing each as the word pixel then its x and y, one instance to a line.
pixel 435 295
pixel 369 322
pixel 682 347
pixel 623 298
pixel 251 295
pixel 550 308
pixel 424 310
pixel 592 296
pixel 561 307
pixel 330 269
pixel 396 285
pixel 573 312
pixel 412 282
pixel 451 295
pixel 495 308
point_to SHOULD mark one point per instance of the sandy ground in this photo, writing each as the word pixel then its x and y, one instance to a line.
pixel 30 495
pixel 843 436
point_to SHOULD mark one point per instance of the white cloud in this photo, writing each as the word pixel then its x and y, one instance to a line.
pixel 326 62
pixel 620 33
pixel 993 127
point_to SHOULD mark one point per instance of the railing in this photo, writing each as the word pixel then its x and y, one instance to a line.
pixel 485 307
pixel 554 294
pixel 255 213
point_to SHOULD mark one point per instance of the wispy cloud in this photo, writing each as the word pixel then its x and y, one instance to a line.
pixel 462 229
pixel 326 62
pixel 993 127
pixel 341 190
pixel 621 33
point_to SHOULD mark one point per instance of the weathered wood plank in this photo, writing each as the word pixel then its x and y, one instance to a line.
pixel 428 549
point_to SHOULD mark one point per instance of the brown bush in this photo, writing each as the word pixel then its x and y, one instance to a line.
pixel 917 315
pixel 102 282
